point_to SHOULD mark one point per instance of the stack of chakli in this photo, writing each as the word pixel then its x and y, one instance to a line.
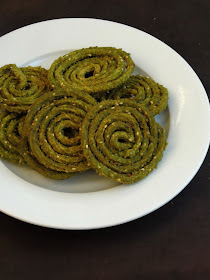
pixel 87 111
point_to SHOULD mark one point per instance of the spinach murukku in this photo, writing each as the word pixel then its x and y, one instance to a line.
pixel 91 70
pixel 20 87
pixel 10 136
pixel 52 127
pixel 122 141
pixel 143 90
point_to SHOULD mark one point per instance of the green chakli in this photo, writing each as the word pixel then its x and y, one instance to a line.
pixel 20 87
pixel 144 91
pixel 91 70
pixel 122 141
pixel 44 128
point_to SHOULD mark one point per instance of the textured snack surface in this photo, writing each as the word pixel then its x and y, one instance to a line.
pixel 122 141
pixel 10 136
pixel 20 87
pixel 92 70
pixel 52 129
pixel 31 161
pixel 143 90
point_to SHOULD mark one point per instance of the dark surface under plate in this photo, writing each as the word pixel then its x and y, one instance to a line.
pixel 170 243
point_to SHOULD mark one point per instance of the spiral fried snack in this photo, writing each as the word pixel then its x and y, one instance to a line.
pixel 143 90
pixel 92 70
pixel 10 136
pixel 20 87
pixel 122 141
pixel 52 128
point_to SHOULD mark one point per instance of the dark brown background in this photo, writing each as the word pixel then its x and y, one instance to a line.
pixel 171 243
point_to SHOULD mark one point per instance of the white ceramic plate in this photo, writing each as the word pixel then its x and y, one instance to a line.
pixel 89 201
